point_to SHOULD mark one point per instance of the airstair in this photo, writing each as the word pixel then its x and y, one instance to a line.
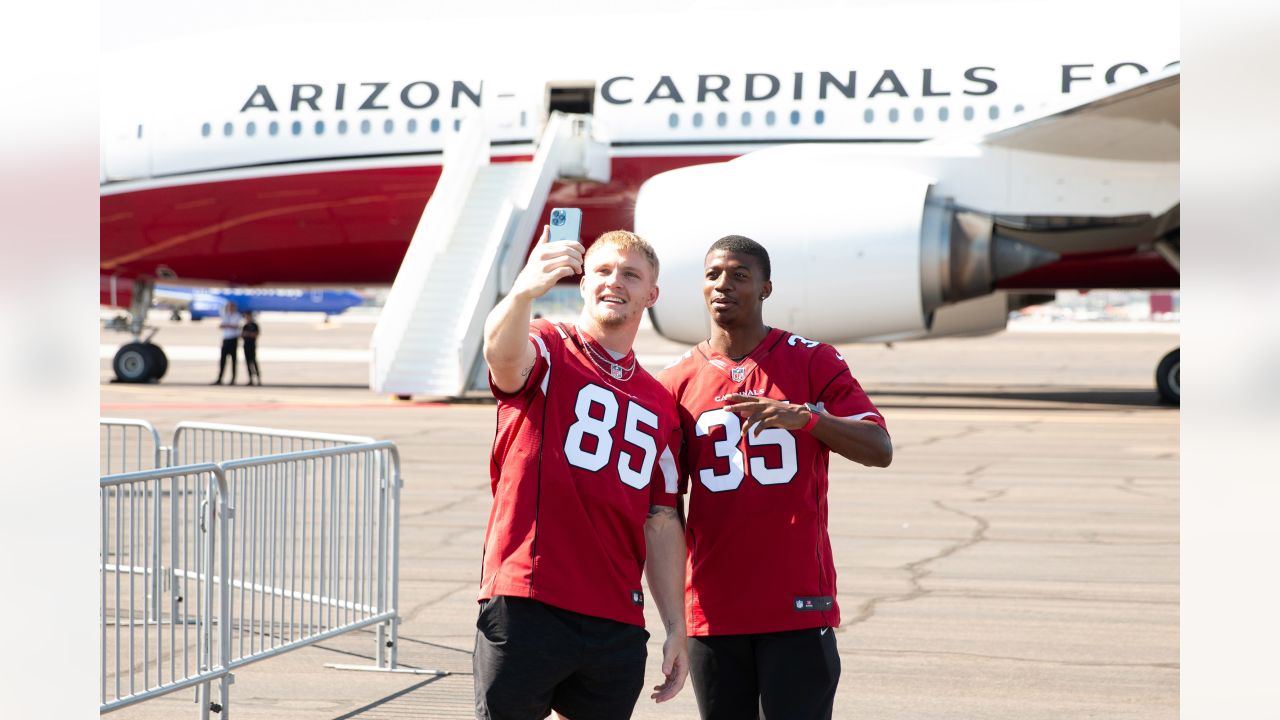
pixel 469 245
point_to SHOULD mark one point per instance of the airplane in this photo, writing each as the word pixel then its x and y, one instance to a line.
pixel 208 302
pixel 918 170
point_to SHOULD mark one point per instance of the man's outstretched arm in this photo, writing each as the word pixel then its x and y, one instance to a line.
pixel 507 350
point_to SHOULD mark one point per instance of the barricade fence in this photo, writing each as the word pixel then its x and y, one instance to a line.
pixel 126 445
pixel 208 567
pixel 313 548
pixel 213 442
pixel 163 540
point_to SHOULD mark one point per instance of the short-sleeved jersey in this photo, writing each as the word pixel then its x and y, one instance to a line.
pixel 759 554
pixel 581 453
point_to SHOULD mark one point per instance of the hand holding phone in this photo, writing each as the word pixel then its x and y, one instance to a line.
pixel 556 256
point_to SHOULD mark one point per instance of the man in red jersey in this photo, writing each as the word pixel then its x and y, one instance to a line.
pixel 585 485
pixel 761 409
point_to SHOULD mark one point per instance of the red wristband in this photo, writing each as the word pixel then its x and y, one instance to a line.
pixel 813 420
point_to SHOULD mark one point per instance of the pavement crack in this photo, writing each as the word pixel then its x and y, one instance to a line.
pixel 918 569
pixel 934 439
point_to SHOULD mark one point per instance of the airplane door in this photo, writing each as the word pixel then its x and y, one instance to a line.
pixel 572 96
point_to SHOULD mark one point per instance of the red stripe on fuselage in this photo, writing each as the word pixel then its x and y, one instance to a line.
pixel 349 227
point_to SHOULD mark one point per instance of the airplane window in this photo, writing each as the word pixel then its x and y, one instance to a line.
pixel 273 128
pixel 968 112
pixel 746 118
pixel 918 114
pixel 226 129
pixel 342 127
pixel 296 128
pixel 722 119
pixel 388 126
pixel 993 112
pixel 457 124
pixel 250 129
pixel 524 118
pixel 435 124
pixel 205 130
pixel 893 115
pixel 770 118
pixel 868 115
pixel 795 117
pixel 364 127
pixel 1018 108
pixel 673 120
pixel 413 125
pixel 697 119
pixel 819 116
pixel 943 113
pixel 319 127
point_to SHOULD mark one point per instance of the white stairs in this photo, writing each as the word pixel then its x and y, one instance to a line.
pixel 468 246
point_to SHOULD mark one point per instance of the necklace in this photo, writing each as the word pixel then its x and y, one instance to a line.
pixel 606 365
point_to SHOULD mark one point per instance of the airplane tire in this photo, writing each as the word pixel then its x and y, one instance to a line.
pixel 134 363
pixel 160 361
pixel 1169 380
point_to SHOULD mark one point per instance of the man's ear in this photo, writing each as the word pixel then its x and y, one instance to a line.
pixel 768 289
pixel 653 297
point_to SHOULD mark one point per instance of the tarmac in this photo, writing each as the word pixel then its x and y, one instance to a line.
pixel 1019 559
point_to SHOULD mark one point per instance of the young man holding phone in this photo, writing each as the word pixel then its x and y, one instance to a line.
pixel 761 410
pixel 584 481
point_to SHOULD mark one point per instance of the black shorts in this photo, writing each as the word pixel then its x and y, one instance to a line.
pixel 532 658
pixel 781 676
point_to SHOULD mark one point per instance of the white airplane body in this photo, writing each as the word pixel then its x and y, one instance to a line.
pixel 305 153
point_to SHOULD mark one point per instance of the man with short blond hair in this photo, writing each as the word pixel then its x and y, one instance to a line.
pixel 584 483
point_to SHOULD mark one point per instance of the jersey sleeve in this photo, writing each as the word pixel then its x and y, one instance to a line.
pixel 546 340
pixel 665 486
pixel 670 378
pixel 837 392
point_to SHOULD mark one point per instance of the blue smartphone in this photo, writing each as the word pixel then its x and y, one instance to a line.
pixel 566 223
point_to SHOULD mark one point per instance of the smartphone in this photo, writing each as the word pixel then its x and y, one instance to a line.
pixel 566 223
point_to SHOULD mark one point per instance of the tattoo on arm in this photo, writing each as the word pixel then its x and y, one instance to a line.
pixel 661 511
pixel 525 372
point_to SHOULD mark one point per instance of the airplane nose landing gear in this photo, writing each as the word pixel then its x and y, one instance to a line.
pixel 140 361
pixel 1169 380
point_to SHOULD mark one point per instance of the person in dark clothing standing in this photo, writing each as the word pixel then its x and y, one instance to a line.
pixel 249 333
pixel 230 339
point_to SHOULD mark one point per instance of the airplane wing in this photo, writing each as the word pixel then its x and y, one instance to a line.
pixel 1139 123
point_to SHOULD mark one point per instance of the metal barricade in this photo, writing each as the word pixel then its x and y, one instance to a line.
pixel 214 442
pixel 314 549
pixel 126 445
pixel 275 552
pixel 158 619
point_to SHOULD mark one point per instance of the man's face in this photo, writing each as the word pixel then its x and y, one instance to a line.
pixel 617 285
pixel 733 286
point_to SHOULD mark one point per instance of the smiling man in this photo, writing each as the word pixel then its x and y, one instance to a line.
pixel 761 409
pixel 584 485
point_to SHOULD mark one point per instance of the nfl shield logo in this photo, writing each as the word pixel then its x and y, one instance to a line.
pixel 616 371
pixel 738 374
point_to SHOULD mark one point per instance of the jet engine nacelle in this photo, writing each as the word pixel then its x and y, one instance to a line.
pixel 858 252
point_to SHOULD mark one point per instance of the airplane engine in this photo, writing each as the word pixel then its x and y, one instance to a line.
pixel 857 254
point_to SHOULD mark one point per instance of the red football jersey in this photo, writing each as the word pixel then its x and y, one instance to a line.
pixel 581 453
pixel 759 553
